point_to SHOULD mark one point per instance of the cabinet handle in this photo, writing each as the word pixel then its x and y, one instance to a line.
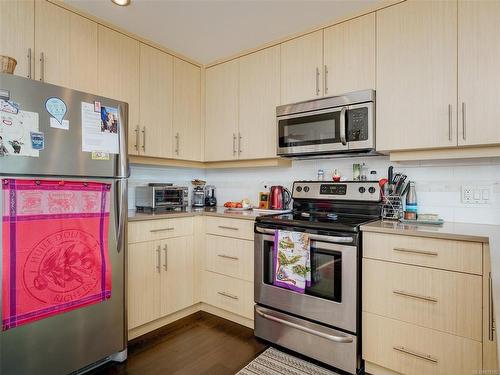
pixel 136 146
pixel 317 82
pixel 450 120
pixel 326 79
pixel 144 139
pixel 464 121
pixel 165 265
pixel 161 229
pixel 227 257
pixel 234 144
pixel 413 251
pixel 177 144
pixel 158 258
pixel 42 66
pixel 29 63
pixel 239 142
pixel 491 318
pixel 426 357
pixel 230 228
pixel 232 296
pixel 416 296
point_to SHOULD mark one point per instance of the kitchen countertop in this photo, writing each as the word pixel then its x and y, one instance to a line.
pixel 454 231
pixel 192 211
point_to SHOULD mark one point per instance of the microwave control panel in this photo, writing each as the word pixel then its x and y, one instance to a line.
pixel 357 124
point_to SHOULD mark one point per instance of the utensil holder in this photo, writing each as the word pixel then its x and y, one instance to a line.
pixel 392 208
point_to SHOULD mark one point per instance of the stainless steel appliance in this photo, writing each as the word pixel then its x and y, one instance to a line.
pixel 90 335
pixel 326 126
pixel 160 196
pixel 198 196
pixel 210 199
pixel 324 322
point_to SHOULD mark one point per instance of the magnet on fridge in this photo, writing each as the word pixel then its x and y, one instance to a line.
pixel 37 140
pixel 97 107
pixel 99 155
pixel 56 108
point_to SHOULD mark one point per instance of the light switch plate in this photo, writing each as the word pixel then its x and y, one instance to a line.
pixel 476 194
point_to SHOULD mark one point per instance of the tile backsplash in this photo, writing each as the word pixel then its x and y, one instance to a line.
pixel 438 183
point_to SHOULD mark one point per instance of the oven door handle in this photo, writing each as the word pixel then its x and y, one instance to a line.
pixel 339 339
pixel 314 237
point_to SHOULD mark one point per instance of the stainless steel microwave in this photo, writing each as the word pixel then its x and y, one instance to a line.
pixel 332 125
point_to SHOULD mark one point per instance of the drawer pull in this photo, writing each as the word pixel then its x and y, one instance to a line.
pixel 227 257
pixel 232 296
pixel 413 251
pixel 230 228
pixel 417 296
pixel 426 357
pixel 161 230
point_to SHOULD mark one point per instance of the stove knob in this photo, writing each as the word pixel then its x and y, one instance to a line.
pixel 298 188
pixel 371 190
pixel 306 188
pixel 362 189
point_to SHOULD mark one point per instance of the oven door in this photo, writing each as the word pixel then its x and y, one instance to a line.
pixel 312 132
pixel 168 197
pixel 331 298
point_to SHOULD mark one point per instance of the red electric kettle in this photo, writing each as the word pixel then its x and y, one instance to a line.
pixel 279 198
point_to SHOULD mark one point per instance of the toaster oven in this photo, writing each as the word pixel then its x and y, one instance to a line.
pixel 156 197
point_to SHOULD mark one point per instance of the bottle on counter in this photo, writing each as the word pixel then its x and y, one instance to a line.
pixel 321 175
pixel 411 203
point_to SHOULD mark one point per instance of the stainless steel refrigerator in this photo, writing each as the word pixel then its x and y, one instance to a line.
pixel 89 335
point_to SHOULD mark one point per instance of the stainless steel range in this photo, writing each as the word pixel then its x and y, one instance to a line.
pixel 324 322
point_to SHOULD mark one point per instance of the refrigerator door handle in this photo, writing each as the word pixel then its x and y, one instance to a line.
pixel 122 168
pixel 121 212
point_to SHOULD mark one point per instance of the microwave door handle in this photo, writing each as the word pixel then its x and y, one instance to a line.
pixel 343 126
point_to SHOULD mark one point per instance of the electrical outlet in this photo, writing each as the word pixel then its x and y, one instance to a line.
pixel 474 194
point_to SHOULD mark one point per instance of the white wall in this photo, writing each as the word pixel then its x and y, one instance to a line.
pixel 438 183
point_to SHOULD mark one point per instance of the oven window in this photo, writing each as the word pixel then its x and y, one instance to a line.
pixel 326 271
pixel 168 196
pixel 309 130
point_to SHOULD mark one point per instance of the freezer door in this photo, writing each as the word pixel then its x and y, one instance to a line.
pixel 62 155
pixel 70 341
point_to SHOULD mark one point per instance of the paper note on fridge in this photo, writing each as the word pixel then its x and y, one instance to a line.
pixel 100 129
pixel 64 124
pixel 15 133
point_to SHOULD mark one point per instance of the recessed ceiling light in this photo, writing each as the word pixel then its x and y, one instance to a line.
pixel 121 2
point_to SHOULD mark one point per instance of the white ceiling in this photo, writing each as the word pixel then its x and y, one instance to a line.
pixel 208 30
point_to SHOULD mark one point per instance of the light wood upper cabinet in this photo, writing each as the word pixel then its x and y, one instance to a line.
pixel 177 282
pixel 118 73
pixel 143 283
pixel 156 102
pixel 349 56
pixel 222 111
pixel 417 75
pixel 17 37
pixel 258 98
pixel 302 68
pixel 66 48
pixel 187 130
pixel 478 76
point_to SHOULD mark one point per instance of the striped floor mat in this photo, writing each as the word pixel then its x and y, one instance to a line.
pixel 274 362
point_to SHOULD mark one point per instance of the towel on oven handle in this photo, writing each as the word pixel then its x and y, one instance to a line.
pixel 292 260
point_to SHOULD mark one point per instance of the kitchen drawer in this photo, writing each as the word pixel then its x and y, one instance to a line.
pixel 412 350
pixel 451 255
pixel 151 230
pixel 230 256
pixel 230 294
pixel 236 228
pixel 443 300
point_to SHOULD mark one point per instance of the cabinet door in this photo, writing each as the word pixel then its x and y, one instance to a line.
pixel 156 82
pixel 119 76
pixel 417 75
pixel 478 78
pixel 187 111
pixel 301 68
pixel 17 38
pixel 349 60
pixel 177 279
pixel 143 283
pixel 259 96
pixel 68 43
pixel 221 111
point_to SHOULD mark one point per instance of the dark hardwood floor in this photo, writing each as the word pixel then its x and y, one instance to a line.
pixel 200 344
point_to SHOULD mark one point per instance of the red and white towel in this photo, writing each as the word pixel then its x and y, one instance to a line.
pixel 54 248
